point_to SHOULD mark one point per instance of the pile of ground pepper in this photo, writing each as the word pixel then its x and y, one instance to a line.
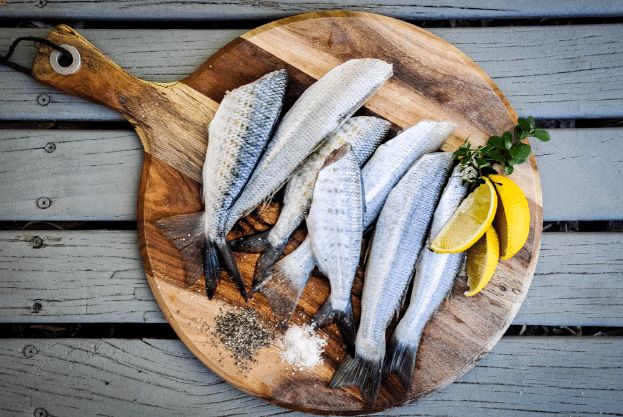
pixel 240 331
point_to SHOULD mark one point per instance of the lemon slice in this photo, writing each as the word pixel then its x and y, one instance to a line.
pixel 512 219
pixel 469 222
pixel 482 259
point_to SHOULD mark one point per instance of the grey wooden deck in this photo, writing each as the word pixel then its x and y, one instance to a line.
pixel 570 71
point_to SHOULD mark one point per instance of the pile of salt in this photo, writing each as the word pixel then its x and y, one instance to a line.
pixel 301 348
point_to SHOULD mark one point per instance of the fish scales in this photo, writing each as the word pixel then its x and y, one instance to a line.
pixel 284 282
pixel 335 224
pixel 364 133
pixel 434 276
pixel 238 134
pixel 318 113
pixel 397 240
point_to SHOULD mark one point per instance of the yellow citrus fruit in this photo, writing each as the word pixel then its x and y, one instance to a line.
pixel 469 222
pixel 482 259
pixel 512 219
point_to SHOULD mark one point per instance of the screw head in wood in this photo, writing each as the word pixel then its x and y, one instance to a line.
pixel 40 3
pixel 50 147
pixel 44 202
pixel 30 351
pixel 43 99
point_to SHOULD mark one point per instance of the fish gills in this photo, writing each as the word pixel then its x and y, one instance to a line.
pixel 335 225
pixel 285 281
pixel 238 134
pixel 397 240
pixel 364 133
pixel 434 276
pixel 317 113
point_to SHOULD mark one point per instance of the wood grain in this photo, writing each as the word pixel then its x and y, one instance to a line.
pixel 170 119
pixel 97 276
pixel 545 71
pixel 260 10
pixel 441 83
pixel 521 377
pixel 94 175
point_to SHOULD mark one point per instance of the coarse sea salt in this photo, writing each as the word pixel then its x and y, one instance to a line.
pixel 301 347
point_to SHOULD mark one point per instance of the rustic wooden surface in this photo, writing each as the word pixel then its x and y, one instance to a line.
pixel 442 84
pixel 94 175
pixel 97 276
pixel 253 9
pixel 537 68
pixel 161 378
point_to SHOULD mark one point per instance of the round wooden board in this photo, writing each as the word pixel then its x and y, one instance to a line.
pixel 432 80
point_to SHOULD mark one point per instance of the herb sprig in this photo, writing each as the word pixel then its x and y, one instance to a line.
pixel 506 150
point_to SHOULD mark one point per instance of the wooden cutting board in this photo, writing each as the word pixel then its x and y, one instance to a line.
pixel 432 80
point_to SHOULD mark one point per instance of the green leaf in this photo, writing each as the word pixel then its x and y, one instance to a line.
pixel 532 122
pixel 459 152
pixel 508 169
pixel 524 124
pixel 497 157
pixel 508 140
pixel 520 152
pixel 541 135
pixel 496 141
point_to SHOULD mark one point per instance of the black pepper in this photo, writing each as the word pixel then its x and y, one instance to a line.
pixel 242 334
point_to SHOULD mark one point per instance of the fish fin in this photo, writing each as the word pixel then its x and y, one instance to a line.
pixel 326 315
pixel 336 155
pixel 400 357
pixel 257 243
pixel 186 234
pixel 226 255
pixel 281 291
pixel 211 267
pixel 266 260
pixel 364 373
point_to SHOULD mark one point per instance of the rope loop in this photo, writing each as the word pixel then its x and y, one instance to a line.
pixel 4 60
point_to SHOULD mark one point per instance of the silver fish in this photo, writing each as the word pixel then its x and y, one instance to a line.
pixel 434 277
pixel 284 282
pixel 364 133
pixel 335 225
pixel 318 113
pixel 397 240
pixel 237 136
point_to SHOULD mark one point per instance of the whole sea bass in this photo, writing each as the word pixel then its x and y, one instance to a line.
pixel 284 282
pixel 335 224
pixel 364 133
pixel 317 113
pixel 434 277
pixel 398 238
pixel 237 136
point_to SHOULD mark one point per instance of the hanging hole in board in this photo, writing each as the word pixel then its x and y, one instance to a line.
pixel 64 64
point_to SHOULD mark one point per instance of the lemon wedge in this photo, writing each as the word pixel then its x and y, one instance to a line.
pixel 469 222
pixel 482 259
pixel 512 219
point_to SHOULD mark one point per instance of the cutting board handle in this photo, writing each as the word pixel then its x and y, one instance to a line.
pixel 171 119
pixel 97 78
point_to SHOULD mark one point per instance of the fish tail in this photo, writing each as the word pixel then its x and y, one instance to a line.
pixel 186 233
pixel 400 357
pixel 211 267
pixel 364 373
pixel 281 290
pixel 226 255
pixel 326 315
pixel 259 243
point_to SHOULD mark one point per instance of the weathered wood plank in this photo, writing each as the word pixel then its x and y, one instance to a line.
pixel 255 10
pixel 97 276
pixel 93 175
pixel 557 71
pixel 521 376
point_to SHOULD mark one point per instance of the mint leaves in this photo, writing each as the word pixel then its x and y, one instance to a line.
pixel 506 150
